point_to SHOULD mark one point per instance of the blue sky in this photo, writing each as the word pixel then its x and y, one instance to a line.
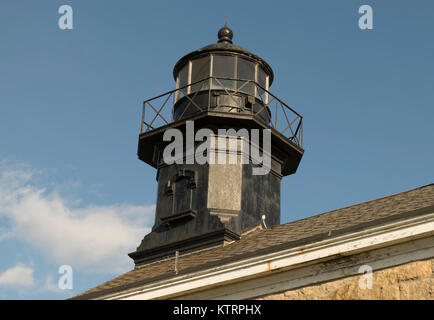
pixel 72 190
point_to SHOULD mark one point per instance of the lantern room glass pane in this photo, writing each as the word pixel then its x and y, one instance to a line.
pixel 183 78
pixel 261 81
pixel 200 71
pixel 224 67
pixel 246 71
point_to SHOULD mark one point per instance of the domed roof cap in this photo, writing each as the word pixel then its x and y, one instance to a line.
pixel 223 45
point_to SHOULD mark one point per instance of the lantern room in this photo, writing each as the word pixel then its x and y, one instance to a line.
pixel 224 77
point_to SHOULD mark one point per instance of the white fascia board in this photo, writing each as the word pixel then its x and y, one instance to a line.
pixel 352 243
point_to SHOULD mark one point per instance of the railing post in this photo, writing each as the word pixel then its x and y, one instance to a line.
pixel 267 79
pixel 256 81
pixel 275 122
pixel 301 134
pixel 190 66
pixel 209 92
pixel 173 104
pixel 177 91
pixel 143 117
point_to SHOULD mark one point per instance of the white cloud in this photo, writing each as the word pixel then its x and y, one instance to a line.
pixel 20 275
pixel 92 238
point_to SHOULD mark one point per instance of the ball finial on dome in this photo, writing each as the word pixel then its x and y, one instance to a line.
pixel 225 33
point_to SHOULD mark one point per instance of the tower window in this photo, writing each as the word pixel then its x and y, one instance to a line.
pixel 183 78
pixel 246 71
pixel 200 71
pixel 224 67
pixel 262 81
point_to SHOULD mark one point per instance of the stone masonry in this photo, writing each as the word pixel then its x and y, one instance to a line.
pixel 409 281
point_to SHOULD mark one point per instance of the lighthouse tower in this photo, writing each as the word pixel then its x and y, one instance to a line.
pixel 200 204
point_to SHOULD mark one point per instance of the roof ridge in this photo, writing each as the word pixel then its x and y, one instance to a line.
pixel 354 205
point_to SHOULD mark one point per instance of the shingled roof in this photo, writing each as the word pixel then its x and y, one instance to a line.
pixel 406 204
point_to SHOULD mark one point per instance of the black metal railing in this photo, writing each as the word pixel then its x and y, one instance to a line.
pixel 283 118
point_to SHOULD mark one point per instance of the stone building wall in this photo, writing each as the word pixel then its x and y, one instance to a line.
pixel 414 280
